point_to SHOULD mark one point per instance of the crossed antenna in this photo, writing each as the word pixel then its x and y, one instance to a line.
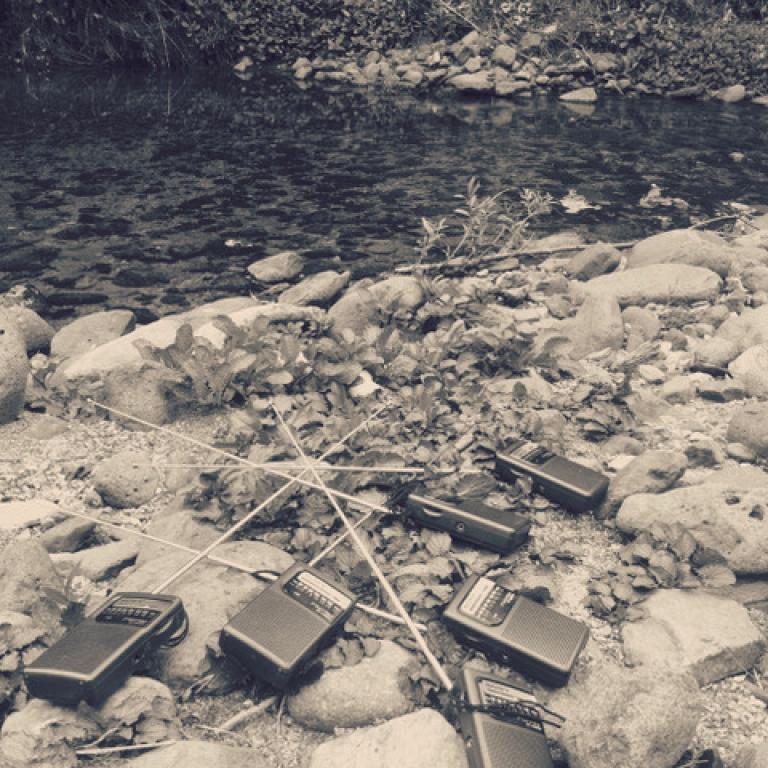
pixel 332 494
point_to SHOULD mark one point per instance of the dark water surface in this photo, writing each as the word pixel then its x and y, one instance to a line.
pixel 155 192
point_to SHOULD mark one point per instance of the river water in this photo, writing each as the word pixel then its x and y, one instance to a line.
pixel 155 192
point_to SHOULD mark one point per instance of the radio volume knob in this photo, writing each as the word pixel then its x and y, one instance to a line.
pixel 460 527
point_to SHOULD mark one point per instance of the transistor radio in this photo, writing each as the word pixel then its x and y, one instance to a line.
pixel 495 529
pixel 500 722
pixel 97 655
pixel 277 633
pixel 532 638
pixel 576 487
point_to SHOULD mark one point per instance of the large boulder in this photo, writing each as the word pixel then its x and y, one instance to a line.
pixel 747 329
pixel 316 289
pixel 628 717
pixel 14 369
pixel 659 283
pixel 422 739
pixel 91 331
pixel 342 698
pixel 683 246
pixel 749 426
pixel 720 517
pixel 711 637
pixel 35 331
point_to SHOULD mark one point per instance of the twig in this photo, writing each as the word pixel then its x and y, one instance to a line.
pixel 124 748
pixel 707 222
pixel 279 720
pixel 101 738
pixel 286 465
pixel 247 714
pixel 565 248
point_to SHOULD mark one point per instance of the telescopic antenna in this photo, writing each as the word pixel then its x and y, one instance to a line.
pixel 417 636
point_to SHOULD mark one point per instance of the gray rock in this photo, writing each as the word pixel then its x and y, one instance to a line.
pixel 91 331
pixel 474 82
pixel 45 427
pixel 650 373
pixel 422 739
pixel 604 62
pixel 594 260
pixel 740 452
pixel 731 94
pixel 714 351
pixel 503 54
pixel 25 568
pixel 140 392
pixel 719 517
pixel 283 266
pixel 749 426
pixel 126 479
pixel 342 698
pixel 509 87
pixel 660 283
pixel 747 329
pixel 752 755
pixel 200 754
pixel 751 369
pixel 755 279
pixel 67 536
pixel 22 514
pixel 35 331
pixel 43 734
pixel 14 368
pixel 580 96
pixel 738 476
pixel 651 472
pixel 211 594
pixel 678 389
pixel 710 636
pixel 683 246
pixel 705 453
pixel 628 717
pixel 316 289
pixel 98 563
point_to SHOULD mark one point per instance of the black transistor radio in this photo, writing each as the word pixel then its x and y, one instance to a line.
pixel 500 722
pixel 495 529
pixel 97 655
pixel 532 638
pixel 279 631
pixel 576 487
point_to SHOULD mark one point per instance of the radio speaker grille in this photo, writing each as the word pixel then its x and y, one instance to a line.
pixel 280 624
pixel 555 638
pixel 510 745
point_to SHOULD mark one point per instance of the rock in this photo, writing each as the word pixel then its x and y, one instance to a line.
pixel 422 739
pixel 14 368
pixel 715 351
pixel 22 514
pixel 731 94
pixel 503 54
pixel 752 755
pixel 719 517
pixel 67 536
pixel 761 101
pixel 660 284
pixel 720 390
pixel 749 426
pixel 316 289
pixel 475 82
pixel 643 325
pixel 45 427
pixel 705 453
pixel 755 279
pixel 650 373
pixel 141 392
pixel 683 246
pixel 212 595
pixel 98 563
pixel 751 369
pixel 145 706
pixel 593 261
pixel 364 305
pixel 282 267
pixel 580 96
pixel 414 75
pixel 45 735
pixel 35 331
pixel 740 452
pixel 25 568
pixel 747 329
pixel 508 87
pixel 17 631
pixel 342 698
pixel 604 62
pixel 678 389
pixel 91 331
pixel 710 636
pixel 474 64
pixel 651 472
pixel 200 754
pixel 126 479
pixel 628 717
pixel 737 476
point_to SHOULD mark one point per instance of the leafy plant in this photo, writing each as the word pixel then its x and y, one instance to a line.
pixel 73 598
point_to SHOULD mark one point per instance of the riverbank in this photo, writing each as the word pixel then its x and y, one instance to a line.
pixel 645 363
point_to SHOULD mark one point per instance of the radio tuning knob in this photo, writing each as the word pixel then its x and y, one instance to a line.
pixel 460 527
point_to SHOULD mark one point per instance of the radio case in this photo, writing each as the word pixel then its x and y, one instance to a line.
pixel 96 656
pixel 278 632
pixel 530 637
pixel 495 742
pixel 498 530
pixel 574 486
